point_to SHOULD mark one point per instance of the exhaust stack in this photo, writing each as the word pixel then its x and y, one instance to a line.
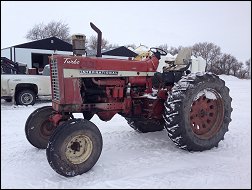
pixel 99 39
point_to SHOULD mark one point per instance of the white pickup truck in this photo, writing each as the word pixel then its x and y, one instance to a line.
pixel 25 89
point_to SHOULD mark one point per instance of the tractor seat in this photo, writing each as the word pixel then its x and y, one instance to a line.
pixel 181 63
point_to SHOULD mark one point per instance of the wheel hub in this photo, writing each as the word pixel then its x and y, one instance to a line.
pixel 202 113
pixel 79 149
pixel 26 98
pixel 206 114
pixel 47 128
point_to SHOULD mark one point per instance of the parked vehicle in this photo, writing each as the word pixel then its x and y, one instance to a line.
pixel 25 89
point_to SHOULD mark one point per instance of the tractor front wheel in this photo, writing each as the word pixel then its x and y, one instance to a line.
pixel 38 127
pixel 74 147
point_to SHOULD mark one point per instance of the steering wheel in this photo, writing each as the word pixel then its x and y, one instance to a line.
pixel 160 51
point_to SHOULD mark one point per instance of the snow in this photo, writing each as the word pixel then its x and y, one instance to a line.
pixel 150 96
pixel 134 160
pixel 208 94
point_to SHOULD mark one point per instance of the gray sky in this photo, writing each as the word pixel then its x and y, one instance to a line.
pixel 226 24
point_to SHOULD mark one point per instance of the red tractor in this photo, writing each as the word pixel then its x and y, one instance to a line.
pixel 195 109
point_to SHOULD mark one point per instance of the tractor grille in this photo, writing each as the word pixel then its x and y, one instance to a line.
pixel 55 80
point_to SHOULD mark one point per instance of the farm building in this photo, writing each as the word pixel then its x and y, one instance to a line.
pixel 120 52
pixel 35 54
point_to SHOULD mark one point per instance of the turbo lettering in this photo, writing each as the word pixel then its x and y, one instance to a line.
pixel 70 61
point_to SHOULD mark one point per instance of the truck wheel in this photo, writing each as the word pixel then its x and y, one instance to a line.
pixel 25 97
pixel 38 128
pixel 74 147
pixel 198 112
pixel 87 115
pixel 145 125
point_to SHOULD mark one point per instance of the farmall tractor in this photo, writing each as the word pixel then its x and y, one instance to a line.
pixel 195 108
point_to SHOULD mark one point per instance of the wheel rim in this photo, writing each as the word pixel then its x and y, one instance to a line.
pixel 79 149
pixel 206 114
pixel 26 98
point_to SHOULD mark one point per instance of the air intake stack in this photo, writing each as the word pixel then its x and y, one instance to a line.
pixel 79 44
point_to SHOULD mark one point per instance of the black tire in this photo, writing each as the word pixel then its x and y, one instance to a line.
pixel 8 99
pixel 25 97
pixel 38 128
pixel 157 80
pixel 143 125
pixel 87 115
pixel 198 112
pixel 65 153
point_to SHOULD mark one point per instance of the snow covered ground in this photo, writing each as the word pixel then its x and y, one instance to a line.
pixel 133 160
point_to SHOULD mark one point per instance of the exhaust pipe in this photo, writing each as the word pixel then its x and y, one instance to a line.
pixel 99 40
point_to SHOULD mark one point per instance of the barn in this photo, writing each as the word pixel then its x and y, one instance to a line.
pixel 35 54
pixel 120 52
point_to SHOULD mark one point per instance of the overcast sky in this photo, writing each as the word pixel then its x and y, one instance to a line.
pixel 226 24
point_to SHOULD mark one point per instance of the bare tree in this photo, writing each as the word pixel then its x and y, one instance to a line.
pixel 248 63
pixel 208 51
pixel 248 67
pixel 52 29
pixel 172 50
pixel 92 43
pixel 230 61
pixel 242 73
pixel 236 68
pixel 226 64
pixel 112 46
pixel 245 70
pixel 163 47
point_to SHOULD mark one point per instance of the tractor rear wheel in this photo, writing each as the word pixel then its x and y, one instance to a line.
pixel 143 125
pixel 198 112
pixel 74 147
pixel 38 128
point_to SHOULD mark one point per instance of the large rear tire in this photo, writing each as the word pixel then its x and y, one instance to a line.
pixel 145 125
pixel 38 128
pixel 198 112
pixel 74 147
